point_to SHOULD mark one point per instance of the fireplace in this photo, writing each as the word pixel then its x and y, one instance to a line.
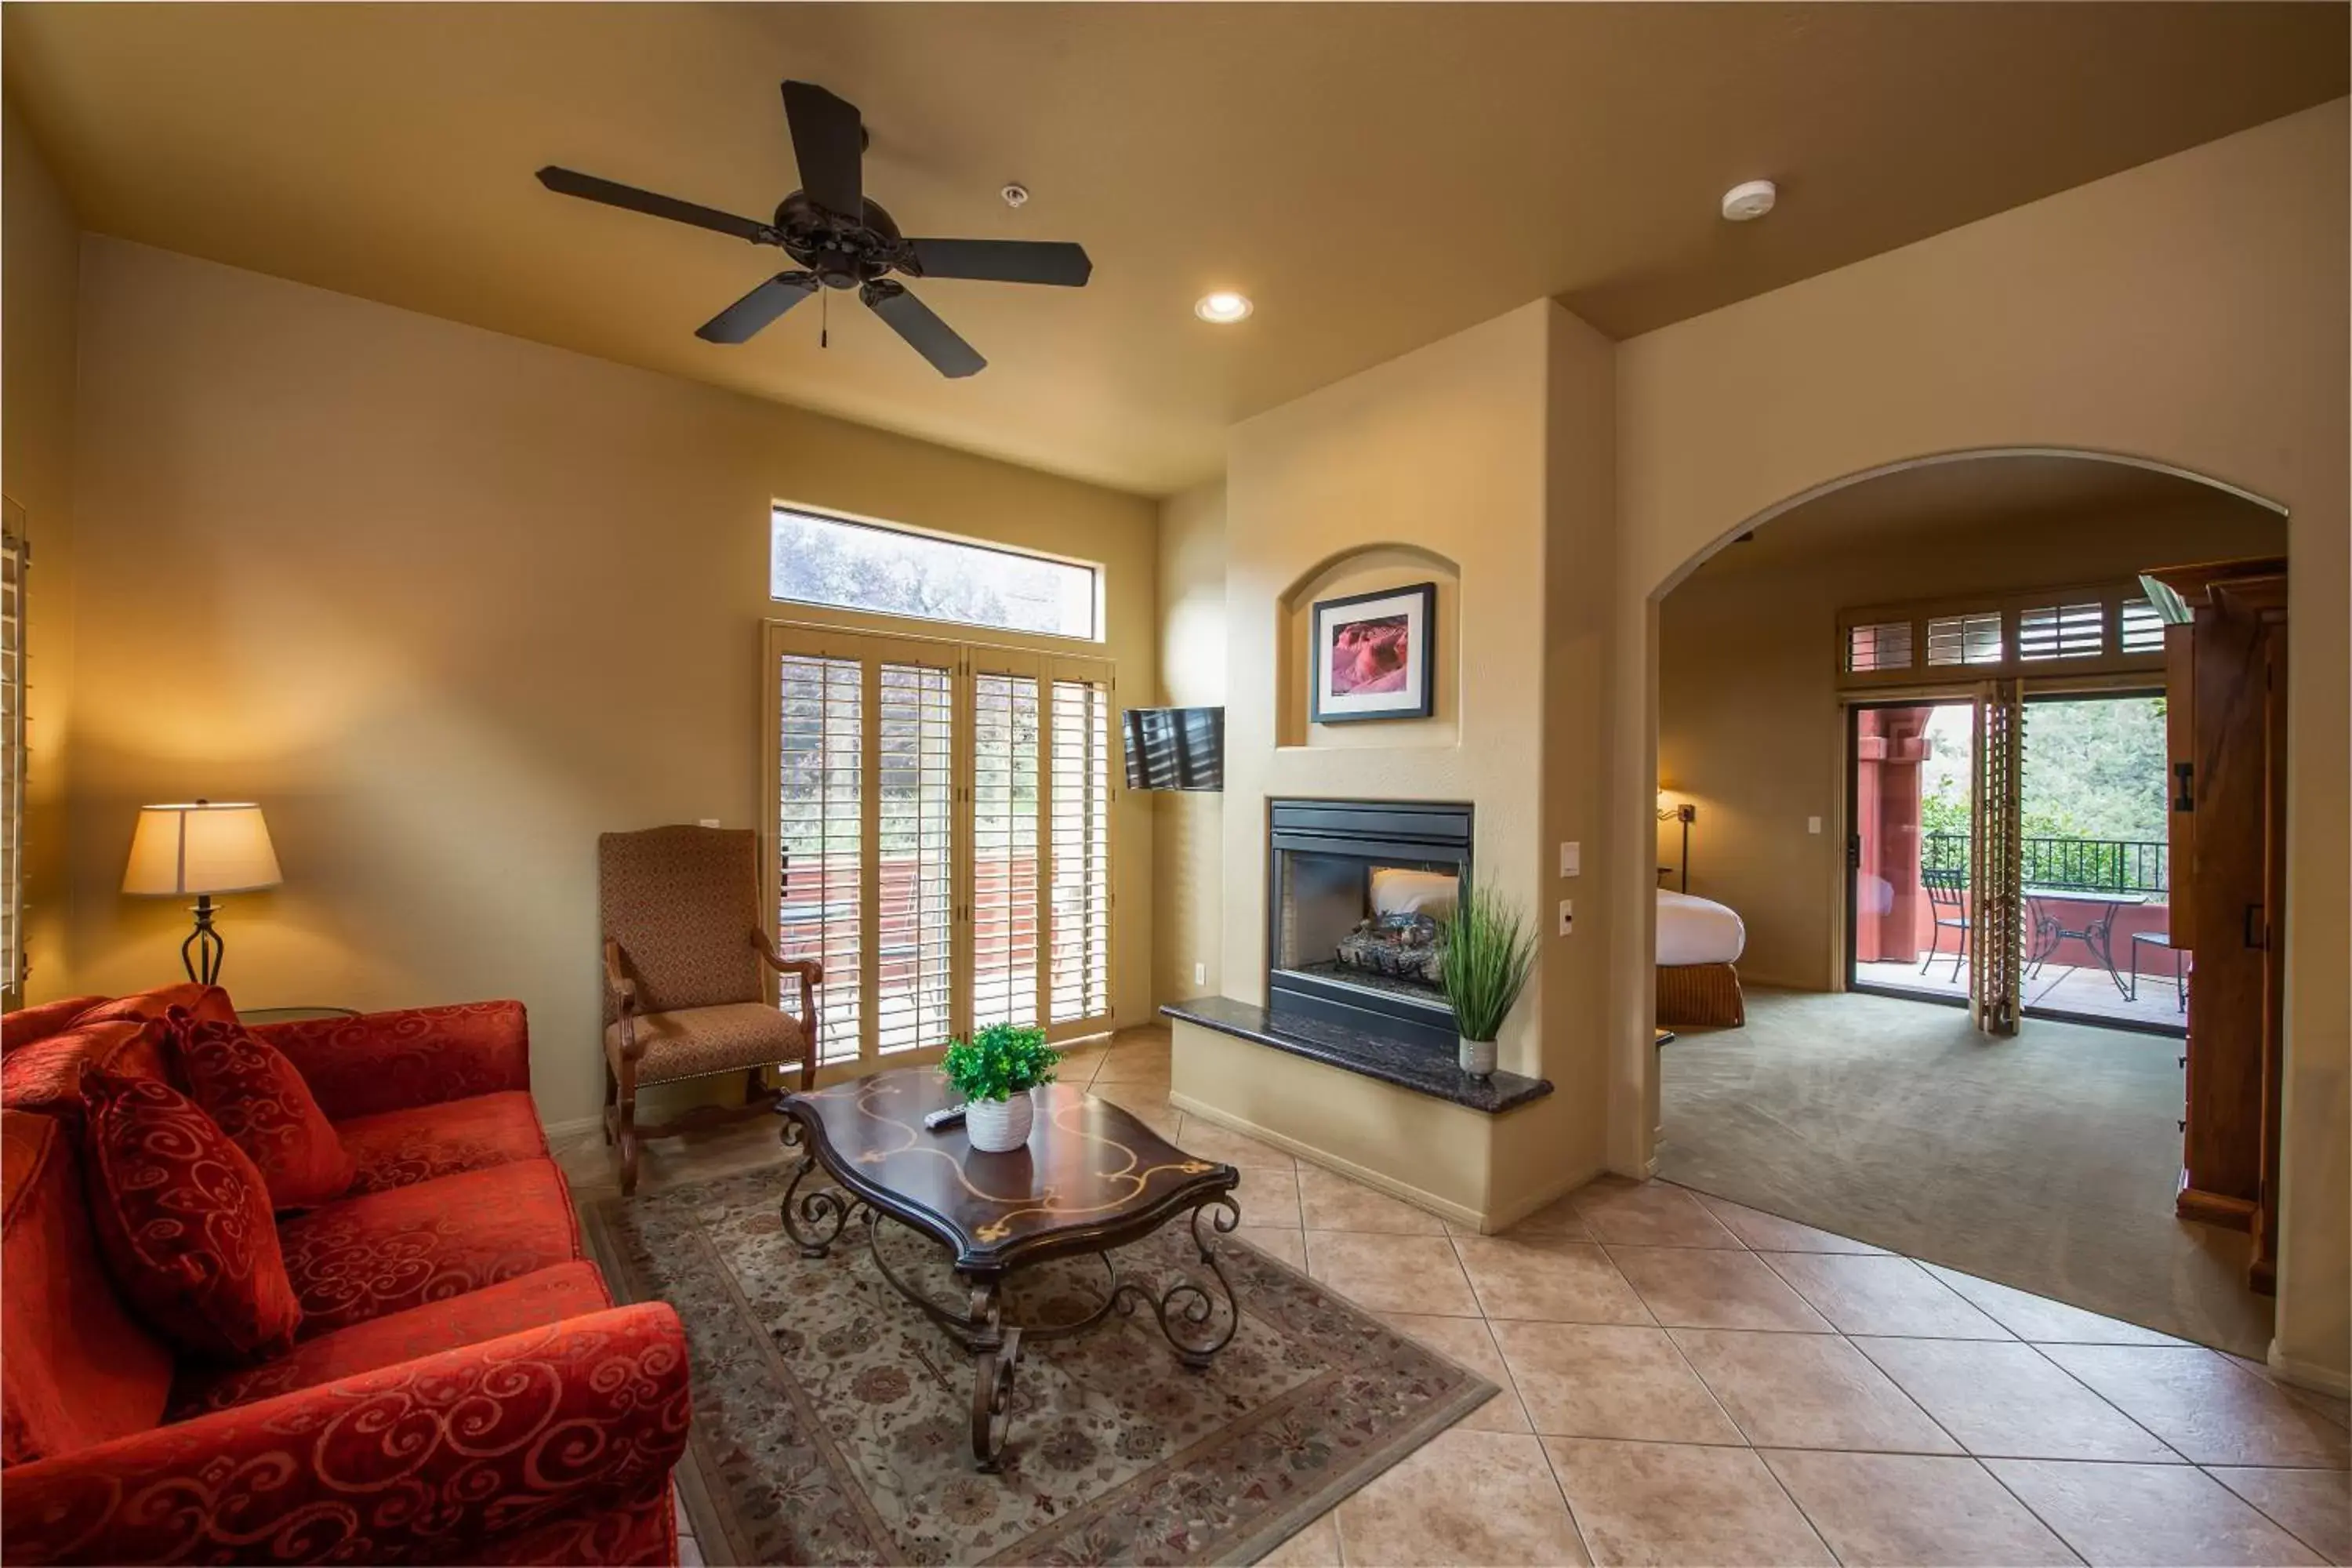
pixel 1358 895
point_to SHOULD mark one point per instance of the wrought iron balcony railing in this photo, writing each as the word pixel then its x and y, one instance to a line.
pixel 2091 865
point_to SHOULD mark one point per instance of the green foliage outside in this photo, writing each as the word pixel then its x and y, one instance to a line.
pixel 2094 770
pixel 1488 952
pixel 1000 1061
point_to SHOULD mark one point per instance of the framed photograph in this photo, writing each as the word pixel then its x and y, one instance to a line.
pixel 1373 656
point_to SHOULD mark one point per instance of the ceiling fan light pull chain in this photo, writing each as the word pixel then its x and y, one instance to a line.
pixel 824 319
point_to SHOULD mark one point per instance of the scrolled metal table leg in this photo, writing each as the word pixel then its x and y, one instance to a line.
pixel 1186 1311
pixel 996 1356
pixel 821 1214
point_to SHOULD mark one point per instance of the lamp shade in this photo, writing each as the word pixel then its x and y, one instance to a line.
pixel 203 846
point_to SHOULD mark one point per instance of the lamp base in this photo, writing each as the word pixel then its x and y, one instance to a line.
pixel 202 953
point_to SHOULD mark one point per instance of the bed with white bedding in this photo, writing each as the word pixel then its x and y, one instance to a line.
pixel 1700 940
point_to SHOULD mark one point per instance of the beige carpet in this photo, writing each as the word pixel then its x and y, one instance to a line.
pixel 2046 1162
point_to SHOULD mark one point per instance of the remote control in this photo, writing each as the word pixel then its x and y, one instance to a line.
pixel 936 1120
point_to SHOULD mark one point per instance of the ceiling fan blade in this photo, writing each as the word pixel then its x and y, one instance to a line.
pixel 829 143
pixel 1056 262
pixel 739 321
pixel 570 183
pixel 930 337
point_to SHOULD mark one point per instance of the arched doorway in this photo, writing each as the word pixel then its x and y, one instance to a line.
pixel 1844 1112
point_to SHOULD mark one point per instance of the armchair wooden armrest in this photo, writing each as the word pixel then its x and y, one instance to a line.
pixel 810 972
pixel 619 986
pixel 624 993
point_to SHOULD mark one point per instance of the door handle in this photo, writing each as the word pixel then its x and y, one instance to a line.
pixel 2183 800
pixel 2257 936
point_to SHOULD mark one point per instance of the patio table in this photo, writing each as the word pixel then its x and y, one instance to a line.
pixel 2097 933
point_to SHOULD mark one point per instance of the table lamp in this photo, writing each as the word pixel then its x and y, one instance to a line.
pixel 203 847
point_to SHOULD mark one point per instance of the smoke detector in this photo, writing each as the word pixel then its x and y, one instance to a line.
pixel 1747 202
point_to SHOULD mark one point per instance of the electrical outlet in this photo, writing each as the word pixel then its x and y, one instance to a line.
pixel 1813 825
pixel 1568 917
pixel 1200 975
pixel 709 822
pixel 1571 859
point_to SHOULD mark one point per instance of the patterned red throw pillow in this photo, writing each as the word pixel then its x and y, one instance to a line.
pixel 257 1097
pixel 184 1222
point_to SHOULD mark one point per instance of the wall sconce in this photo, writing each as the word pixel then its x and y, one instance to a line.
pixel 1686 813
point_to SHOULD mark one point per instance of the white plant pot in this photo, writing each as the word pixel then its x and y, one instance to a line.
pixel 994 1126
pixel 1476 1057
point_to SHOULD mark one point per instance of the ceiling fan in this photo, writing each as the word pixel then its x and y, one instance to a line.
pixel 844 239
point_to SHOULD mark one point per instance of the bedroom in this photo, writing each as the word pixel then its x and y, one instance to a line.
pixel 1813 1075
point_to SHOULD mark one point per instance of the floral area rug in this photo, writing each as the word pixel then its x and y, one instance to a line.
pixel 832 1417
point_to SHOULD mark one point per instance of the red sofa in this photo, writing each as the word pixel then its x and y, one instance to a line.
pixel 463 1389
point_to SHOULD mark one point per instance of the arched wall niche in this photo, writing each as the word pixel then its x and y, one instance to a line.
pixel 1368 569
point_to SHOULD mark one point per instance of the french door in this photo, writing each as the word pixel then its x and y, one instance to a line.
pixel 941 835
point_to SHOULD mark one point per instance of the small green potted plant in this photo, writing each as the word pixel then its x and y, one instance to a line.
pixel 995 1071
pixel 1488 954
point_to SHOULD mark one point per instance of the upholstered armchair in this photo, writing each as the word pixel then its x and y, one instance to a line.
pixel 687 991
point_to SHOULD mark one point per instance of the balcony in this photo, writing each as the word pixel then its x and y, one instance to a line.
pixel 2065 974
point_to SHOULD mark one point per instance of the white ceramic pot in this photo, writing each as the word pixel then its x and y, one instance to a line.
pixel 1476 1057
pixel 994 1126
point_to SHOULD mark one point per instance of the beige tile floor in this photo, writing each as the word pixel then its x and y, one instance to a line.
pixel 1685 1381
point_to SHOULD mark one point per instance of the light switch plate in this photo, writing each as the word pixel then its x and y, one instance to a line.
pixel 1812 824
pixel 1571 859
pixel 1568 917
pixel 1200 975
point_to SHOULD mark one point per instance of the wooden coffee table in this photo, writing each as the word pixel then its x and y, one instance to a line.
pixel 1091 1178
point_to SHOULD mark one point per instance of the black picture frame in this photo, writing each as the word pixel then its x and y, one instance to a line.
pixel 1418 604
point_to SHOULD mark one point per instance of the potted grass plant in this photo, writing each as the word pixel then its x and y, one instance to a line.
pixel 1489 951
pixel 996 1072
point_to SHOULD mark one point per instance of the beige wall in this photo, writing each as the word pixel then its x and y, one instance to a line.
pixel 1187 920
pixel 2193 311
pixel 1478 462
pixel 1749 729
pixel 449 603
pixel 37 319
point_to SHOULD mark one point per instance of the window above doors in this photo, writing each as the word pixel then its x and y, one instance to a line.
pixel 817 558
pixel 2102 630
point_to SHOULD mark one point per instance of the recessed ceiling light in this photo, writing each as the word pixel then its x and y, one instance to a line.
pixel 1751 200
pixel 1224 307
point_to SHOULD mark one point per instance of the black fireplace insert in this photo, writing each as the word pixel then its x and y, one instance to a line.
pixel 1359 893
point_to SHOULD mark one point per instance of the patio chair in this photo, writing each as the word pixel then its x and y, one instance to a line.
pixel 1947 897
pixel 686 993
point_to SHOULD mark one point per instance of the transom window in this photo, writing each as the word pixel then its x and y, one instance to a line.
pixel 814 558
pixel 2098 629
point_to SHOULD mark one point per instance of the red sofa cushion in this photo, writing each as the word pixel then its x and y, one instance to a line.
pixel 183 1223
pixel 401 1148
pixel 27 1025
pixel 366 1257
pixel 206 1004
pixel 46 1075
pixel 75 1367
pixel 255 1097
pixel 547 1296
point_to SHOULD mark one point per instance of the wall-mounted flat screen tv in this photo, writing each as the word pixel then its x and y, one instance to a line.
pixel 1176 748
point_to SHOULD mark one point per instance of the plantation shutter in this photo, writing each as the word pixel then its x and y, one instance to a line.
pixel 821 834
pixel 1079 812
pixel 913 989
pixel 1995 898
pixel 13 559
pixel 1007 728
pixel 943 837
